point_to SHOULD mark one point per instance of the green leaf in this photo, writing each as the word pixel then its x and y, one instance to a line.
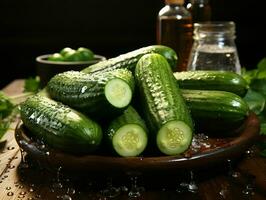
pixel 4 125
pixel 261 75
pixel 259 85
pixel 32 84
pixel 263 128
pixel 261 145
pixel 250 75
pixel 262 65
pixel 6 106
pixel 255 101
pixel 263 153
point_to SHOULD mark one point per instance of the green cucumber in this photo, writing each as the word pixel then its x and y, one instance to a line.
pixel 128 134
pixel 130 59
pixel 216 111
pixel 165 111
pixel 93 94
pixel 212 80
pixel 60 126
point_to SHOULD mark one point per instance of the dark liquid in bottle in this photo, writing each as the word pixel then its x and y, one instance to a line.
pixel 200 12
pixel 177 34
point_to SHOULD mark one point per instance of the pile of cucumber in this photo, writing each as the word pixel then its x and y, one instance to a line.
pixel 135 102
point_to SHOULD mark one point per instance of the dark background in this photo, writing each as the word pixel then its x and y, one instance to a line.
pixel 29 28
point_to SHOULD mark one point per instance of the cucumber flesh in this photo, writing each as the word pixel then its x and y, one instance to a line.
pixel 130 140
pixel 174 137
pixel 118 93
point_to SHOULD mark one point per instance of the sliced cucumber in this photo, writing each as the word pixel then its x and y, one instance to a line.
pixel 118 92
pixel 127 134
pixel 174 137
pixel 130 140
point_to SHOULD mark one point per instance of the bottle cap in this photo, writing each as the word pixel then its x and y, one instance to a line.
pixel 179 2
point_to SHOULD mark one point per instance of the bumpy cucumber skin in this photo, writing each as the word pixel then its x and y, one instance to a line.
pixel 212 80
pixel 130 59
pixel 60 126
pixel 161 98
pixel 129 116
pixel 85 92
pixel 216 111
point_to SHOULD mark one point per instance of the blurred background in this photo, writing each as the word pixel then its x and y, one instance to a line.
pixel 30 28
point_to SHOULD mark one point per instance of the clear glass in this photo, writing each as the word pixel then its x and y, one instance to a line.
pixel 214 47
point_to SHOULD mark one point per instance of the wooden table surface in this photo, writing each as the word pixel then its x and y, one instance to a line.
pixel 244 178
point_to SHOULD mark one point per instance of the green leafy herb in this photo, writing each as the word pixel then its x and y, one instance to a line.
pixel 249 75
pixel 263 153
pixel 6 106
pixel 9 104
pixel 32 84
pixel 262 65
pixel 4 125
pixel 256 97
pixel 255 101
pixel 262 147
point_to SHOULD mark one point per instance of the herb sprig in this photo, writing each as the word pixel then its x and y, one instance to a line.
pixel 9 104
pixel 256 96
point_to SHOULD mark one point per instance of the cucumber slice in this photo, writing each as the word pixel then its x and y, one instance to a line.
pixel 130 140
pixel 174 137
pixel 118 92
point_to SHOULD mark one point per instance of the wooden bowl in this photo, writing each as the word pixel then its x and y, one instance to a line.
pixel 228 148
pixel 47 69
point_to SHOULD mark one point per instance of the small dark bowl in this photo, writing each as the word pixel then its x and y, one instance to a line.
pixel 47 69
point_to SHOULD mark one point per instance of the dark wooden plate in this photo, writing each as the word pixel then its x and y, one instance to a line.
pixel 221 150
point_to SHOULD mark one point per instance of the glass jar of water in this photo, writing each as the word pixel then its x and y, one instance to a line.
pixel 214 47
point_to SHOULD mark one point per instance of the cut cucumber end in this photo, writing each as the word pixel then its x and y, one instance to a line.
pixel 130 140
pixel 118 93
pixel 174 138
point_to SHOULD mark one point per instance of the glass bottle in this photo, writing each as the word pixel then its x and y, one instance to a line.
pixel 175 29
pixel 214 47
pixel 200 10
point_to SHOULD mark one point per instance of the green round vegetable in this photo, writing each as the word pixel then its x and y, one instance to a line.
pixel 85 54
pixel 66 50
pixel 56 57
pixel 72 56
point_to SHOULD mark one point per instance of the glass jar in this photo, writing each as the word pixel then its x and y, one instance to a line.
pixel 214 47
pixel 175 30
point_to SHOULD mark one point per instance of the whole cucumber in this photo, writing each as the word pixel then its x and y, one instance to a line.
pixel 165 110
pixel 60 126
pixel 130 59
pixel 217 113
pixel 212 80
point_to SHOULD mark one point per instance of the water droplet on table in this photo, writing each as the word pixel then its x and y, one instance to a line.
pixel 135 190
pixel 10 148
pixel 224 191
pixel 23 193
pixel 10 194
pixel 231 171
pixel 250 186
pixel 110 191
pixel 8 188
pixel 11 166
